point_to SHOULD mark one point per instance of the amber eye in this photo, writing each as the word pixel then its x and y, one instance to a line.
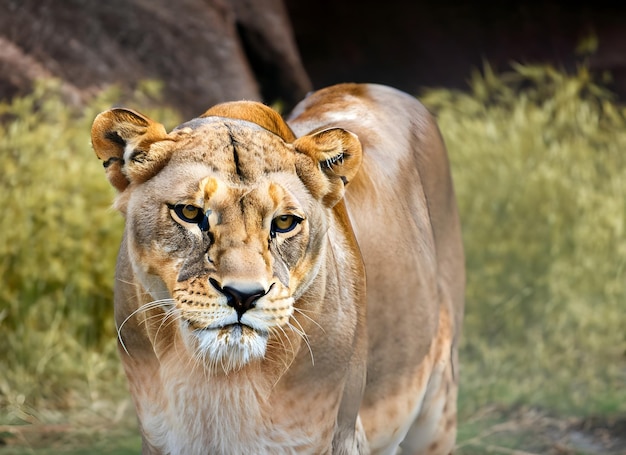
pixel 285 223
pixel 189 213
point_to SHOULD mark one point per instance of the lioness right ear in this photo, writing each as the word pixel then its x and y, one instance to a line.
pixel 122 139
pixel 337 154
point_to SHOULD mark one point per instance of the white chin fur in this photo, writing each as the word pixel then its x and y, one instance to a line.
pixel 229 348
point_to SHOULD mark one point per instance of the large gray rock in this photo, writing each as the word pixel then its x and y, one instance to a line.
pixel 205 51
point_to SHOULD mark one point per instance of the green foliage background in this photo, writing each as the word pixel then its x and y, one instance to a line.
pixel 58 244
pixel 539 162
pixel 538 159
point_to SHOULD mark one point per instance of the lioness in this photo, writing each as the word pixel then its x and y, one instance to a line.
pixel 246 322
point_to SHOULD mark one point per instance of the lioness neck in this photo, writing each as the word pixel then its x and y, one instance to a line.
pixel 243 414
pixel 256 409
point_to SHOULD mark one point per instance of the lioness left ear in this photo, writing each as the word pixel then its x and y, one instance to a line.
pixel 123 140
pixel 338 154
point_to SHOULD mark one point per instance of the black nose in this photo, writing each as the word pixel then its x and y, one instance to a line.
pixel 239 299
pixel 242 301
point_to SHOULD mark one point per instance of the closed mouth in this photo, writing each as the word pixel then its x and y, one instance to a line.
pixel 236 329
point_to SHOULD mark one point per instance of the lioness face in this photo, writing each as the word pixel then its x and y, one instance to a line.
pixel 225 223
pixel 225 230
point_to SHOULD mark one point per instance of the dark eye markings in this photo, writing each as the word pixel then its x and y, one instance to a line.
pixel 192 214
pixel 189 213
pixel 284 223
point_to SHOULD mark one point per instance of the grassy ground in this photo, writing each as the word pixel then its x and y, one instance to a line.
pixel 541 180
pixel 538 162
pixel 540 173
pixel 525 432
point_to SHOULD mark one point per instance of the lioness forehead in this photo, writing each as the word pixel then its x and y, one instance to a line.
pixel 239 152
pixel 222 194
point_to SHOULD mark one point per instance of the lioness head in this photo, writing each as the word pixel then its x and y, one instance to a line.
pixel 225 220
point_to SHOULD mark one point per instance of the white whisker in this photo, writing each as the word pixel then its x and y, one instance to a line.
pixel 302 313
pixel 300 331
pixel 170 314
pixel 286 364
pixel 145 307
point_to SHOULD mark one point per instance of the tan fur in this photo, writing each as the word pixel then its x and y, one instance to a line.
pixel 245 321
pixel 255 113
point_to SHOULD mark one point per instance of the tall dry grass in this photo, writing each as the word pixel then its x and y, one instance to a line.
pixel 539 162
pixel 58 242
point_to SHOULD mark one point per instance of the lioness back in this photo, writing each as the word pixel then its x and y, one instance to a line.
pixel 404 214
pixel 288 287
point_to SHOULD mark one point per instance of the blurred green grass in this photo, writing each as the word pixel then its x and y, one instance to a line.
pixel 539 162
pixel 58 243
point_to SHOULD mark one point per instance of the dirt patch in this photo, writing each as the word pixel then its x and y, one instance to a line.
pixel 527 432
pixel 602 434
pixel 532 432
pixel 114 431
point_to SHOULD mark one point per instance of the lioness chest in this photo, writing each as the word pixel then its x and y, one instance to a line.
pixel 236 414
